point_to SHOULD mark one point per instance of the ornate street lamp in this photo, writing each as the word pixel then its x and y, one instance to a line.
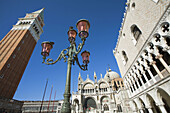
pixel 70 55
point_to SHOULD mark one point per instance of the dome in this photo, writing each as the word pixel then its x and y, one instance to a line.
pixel 110 75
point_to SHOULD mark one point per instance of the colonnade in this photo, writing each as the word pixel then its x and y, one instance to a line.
pixel 151 66
pixel 154 58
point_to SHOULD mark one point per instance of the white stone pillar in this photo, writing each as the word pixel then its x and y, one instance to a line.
pixel 156 69
pixel 141 111
pixel 134 84
pixel 150 73
pixel 144 74
pixel 162 108
pixel 148 69
pixel 130 85
pixel 163 62
pixel 138 84
pixel 140 77
pixel 147 81
pixel 150 110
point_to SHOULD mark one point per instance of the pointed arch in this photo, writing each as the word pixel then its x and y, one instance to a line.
pixel 136 32
pixel 124 57
pixel 151 102
pixel 163 97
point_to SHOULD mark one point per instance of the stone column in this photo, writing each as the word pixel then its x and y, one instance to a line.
pixel 130 85
pixel 141 110
pixel 146 78
pixel 142 81
pixel 143 73
pixel 134 84
pixel 150 110
pixel 140 77
pixel 156 69
pixel 139 84
pixel 162 108
pixel 163 62
pixel 148 69
pixel 150 73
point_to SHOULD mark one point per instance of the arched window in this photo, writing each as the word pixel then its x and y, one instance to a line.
pixel 119 108
pixel 106 107
pixel 136 32
pixel 125 58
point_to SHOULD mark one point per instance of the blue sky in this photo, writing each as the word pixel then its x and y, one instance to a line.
pixel 105 17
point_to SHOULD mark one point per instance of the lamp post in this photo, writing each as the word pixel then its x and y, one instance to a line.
pixel 70 55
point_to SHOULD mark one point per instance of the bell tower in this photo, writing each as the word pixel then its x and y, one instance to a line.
pixel 16 49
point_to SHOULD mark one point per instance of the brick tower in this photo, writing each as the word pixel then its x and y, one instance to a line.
pixel 16 49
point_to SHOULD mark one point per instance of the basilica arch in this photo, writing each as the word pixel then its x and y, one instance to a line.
pixel 76 105
pixel 105 102
pixel 163 98
pixel 90 105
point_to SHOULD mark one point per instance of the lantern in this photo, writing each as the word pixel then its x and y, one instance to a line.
pixel 71 34
pixel 85 56
pixel 46 47
pixel 83 28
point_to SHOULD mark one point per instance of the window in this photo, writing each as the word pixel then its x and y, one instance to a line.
pixel 123 35
pixel 125 58
pixel 119 108
pixel 36 29
pixel 136 33
pixel 133 6
pixel 106 107
pixel 8 65
pixel 14 56
pixel 2 76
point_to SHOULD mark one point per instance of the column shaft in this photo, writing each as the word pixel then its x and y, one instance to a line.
pixel 150 73
pixel 157 70
pixel 164 64
pixel 142 81
pixel 162 108
pixel 147 81
pixel 150 110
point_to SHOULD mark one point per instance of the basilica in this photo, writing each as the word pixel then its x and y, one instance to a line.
pixel 100 96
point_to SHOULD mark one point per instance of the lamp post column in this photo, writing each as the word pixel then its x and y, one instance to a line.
pixel 66 104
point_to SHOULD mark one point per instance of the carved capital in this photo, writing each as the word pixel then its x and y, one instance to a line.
pixel 149 107
pixel 153 62
pixel 159 56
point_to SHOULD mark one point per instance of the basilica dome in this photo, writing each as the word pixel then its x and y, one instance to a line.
pixel 110 75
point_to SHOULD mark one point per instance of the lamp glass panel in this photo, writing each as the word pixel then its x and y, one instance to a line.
pixel 83 26
pixel 46 47
pixel 72 34
pixel 85 57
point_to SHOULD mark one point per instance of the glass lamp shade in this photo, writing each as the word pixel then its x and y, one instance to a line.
pixel 85 56
pixel 71 34
pixel 83 28
pixel 46 47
